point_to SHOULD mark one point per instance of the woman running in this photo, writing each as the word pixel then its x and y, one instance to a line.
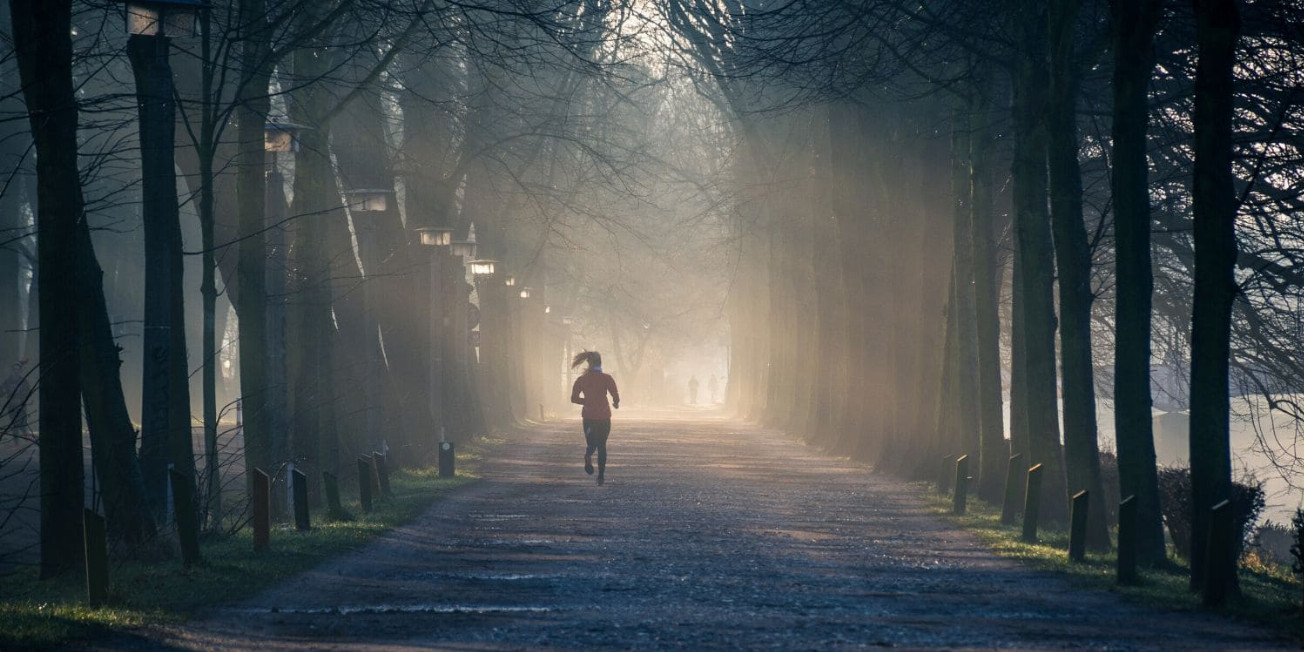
pixel 594 386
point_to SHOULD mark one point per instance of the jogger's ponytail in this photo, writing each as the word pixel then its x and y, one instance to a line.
pixel 592 357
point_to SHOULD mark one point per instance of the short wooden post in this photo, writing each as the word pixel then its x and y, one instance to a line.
pixel 961 484
pixel 1078 526
pixel 382 473
pixel 183 505
pixel 364 482
pixel 96 544
pixel 447 460
pixel 541 417
pixel 299 486
pixel 1218 579
pixel 262 510
pixel 1032 504
pixel 1010 504
pixel 1127 541
pixel 334 508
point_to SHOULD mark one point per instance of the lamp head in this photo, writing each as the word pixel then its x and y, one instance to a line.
pixel 435 236
pixel 168 18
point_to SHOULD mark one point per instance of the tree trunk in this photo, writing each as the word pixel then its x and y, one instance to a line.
pixel 43 47
pixel 1034 250
pixel 969 422
pixel 1134 25
pixel 15 140
pixel 1073 255
pixel 251 303
pixel 113 436
pixel 314 437
pixel 205 152
pixel 165 410
pixel 1214 211
pixel 995 449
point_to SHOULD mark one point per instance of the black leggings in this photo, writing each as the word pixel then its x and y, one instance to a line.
pixel 596 432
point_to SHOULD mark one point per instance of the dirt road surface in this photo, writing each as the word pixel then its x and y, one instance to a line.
pixel 709 534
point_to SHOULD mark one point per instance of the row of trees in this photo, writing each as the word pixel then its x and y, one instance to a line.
pixel 450 117
pixel 969 194
pixel 284 161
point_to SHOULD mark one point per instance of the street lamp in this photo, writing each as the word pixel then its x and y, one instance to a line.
pixel 166 18
pixel 481 268
pixel 278 138
pixel 364 202
pixel 510 281
pixel 432 236
pixel 368 200
pixel 525 292
pixel 281 137
pixel 437 239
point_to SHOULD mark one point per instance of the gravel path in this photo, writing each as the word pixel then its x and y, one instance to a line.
pixel 709 534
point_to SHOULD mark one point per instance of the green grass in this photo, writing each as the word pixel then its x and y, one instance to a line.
pixel 49 613
pixel 1270 594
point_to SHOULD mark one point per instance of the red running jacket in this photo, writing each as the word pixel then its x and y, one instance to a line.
pixel 594 385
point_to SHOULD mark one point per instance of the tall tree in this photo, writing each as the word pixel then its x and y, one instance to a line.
pixel 1073 262
pixel 1035 253
pixel 1214 212
pixel 1133 40
pixel 43 47
pixel 995 449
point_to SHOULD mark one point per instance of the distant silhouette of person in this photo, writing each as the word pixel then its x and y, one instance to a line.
pixel 692 390
pixel 713 386
pixel 590 390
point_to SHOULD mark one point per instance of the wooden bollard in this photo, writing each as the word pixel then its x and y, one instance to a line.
pixel 541 417
pixel 1032 504
pixel 1218 578
pixel 1010 503
pixel 262 510
pixel 299 488
pixel 183 506
pixel 447 460
pixel 334 508
pixel 1078 525
pixel 364 482
pixel 382 473
pixel 95 541
pixel 1127 541
pixel 961 494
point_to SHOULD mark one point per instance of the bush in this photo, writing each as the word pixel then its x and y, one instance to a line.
pixel 1175 503
pixel 1273 542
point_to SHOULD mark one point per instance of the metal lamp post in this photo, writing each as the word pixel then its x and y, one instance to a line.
pixel 485 273
pixel 165 409
pixel 438 240
pixel 363 202
pixel 278 138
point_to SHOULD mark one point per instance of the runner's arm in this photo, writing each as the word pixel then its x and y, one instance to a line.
pixel 575 393
pixel 615 394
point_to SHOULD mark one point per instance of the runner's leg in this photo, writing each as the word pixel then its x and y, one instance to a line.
pixel 590 445
pixel 601 432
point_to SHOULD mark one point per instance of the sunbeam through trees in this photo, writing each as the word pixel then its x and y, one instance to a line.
pixel 261 258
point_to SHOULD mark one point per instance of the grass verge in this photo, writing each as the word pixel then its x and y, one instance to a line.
pixel 1269 594
pixel 50 613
